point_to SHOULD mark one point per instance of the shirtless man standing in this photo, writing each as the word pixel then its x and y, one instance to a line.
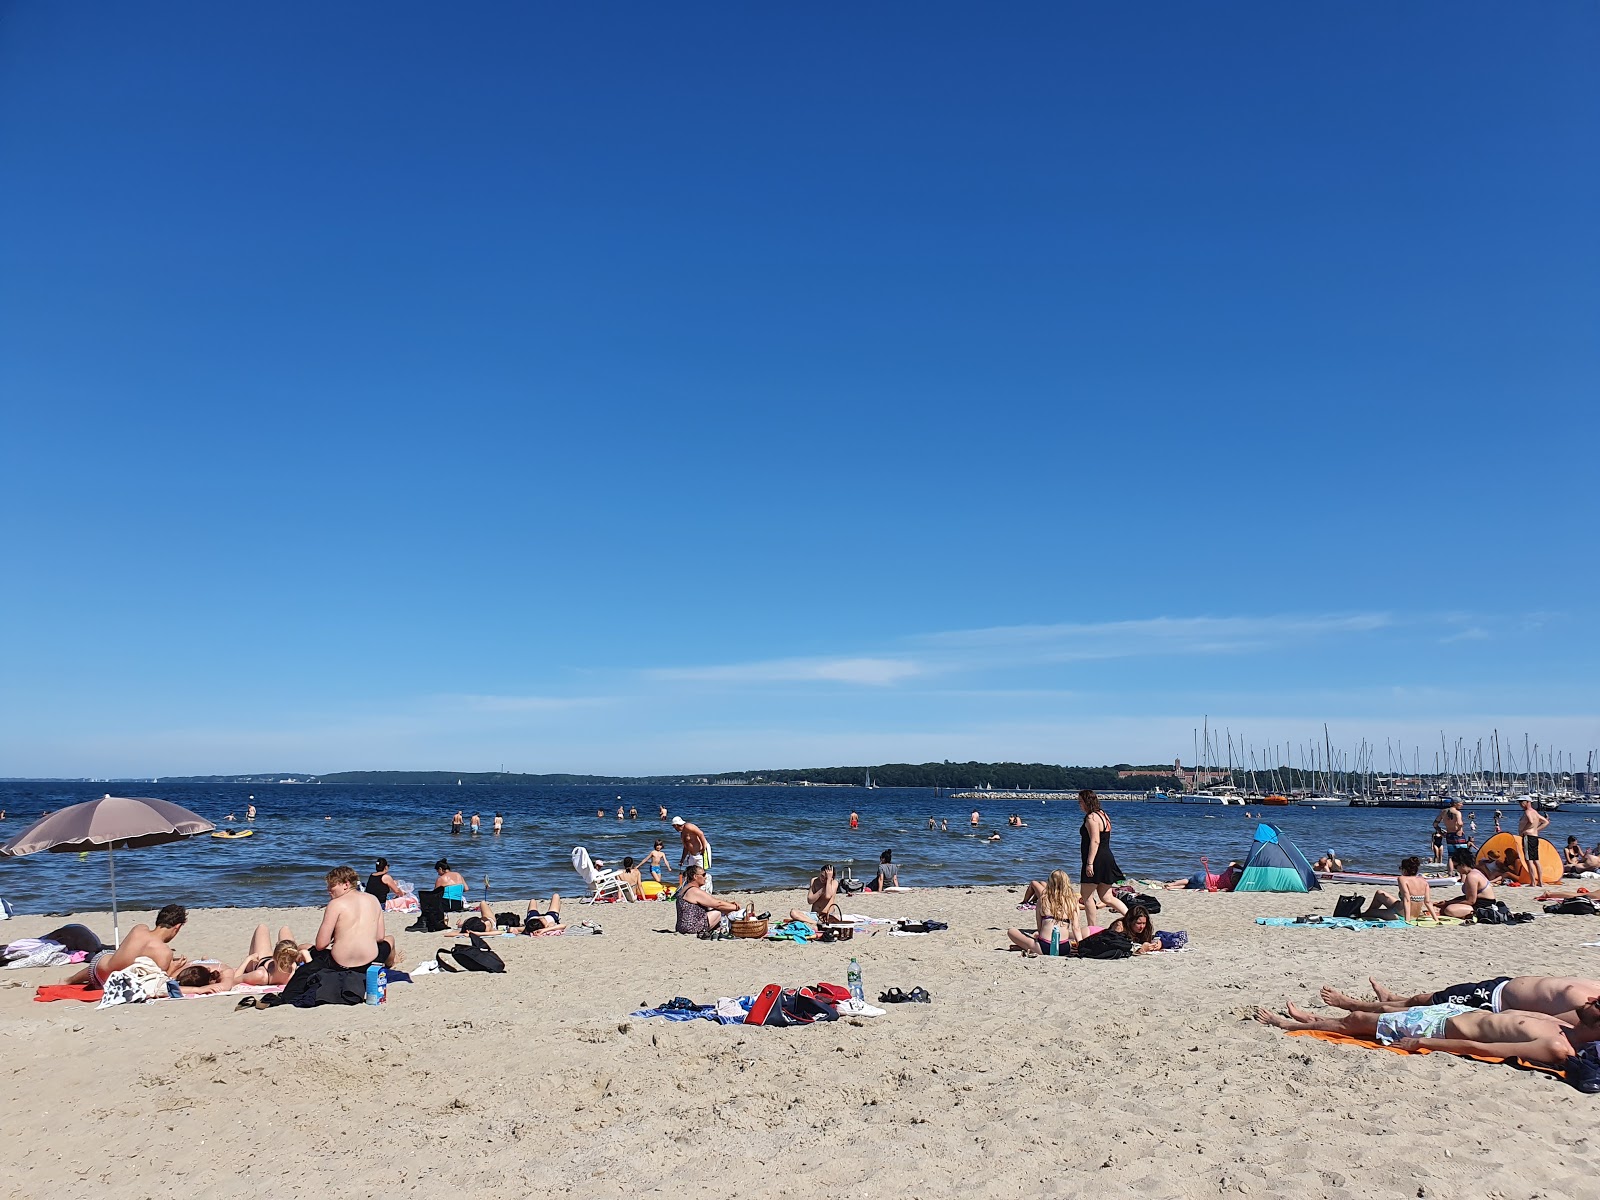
pixel 696 848
pixel 1454 827
pixel 1453 1029
pixel 1530 825
pixel 1575 1001
pixel 144 942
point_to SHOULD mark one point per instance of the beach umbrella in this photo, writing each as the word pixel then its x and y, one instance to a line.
pixel 106 824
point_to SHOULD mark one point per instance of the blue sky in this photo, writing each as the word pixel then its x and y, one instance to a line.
pixel 656 388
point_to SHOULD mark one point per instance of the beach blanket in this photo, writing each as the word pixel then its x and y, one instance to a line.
pixel 1345 1039
pixel 67 991
pixel 729 1010
pixel 1333 923
pixel 254 989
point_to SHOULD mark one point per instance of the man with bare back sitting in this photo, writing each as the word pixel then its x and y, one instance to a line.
pixel 350 938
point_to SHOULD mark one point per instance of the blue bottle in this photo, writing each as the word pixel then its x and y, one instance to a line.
pixel 1055 942
pixel 377 984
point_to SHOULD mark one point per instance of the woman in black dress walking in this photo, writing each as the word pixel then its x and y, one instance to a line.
pixel 1100 868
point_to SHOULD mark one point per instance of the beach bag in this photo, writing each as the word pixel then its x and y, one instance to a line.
pixel 1579 906
pixel 765 1009
pixel 430 904
pixel 1149 903
pixel 1491 912
pixel 851 886
pixel 334 985
pixel 478 957
pixel 802 1006
pixel 1583 1070
pixel 1108 943
pixel 508 919
pixel 1349 906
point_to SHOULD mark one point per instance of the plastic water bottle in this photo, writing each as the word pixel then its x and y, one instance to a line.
pixel 377 984
pixel 853 978
pixel 1055 942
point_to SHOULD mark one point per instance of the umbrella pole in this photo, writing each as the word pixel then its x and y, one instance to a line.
pixel 111 856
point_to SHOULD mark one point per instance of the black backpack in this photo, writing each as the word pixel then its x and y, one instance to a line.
pixel 1579 906
pixel 478 957
pixel 1108 943
pixel 1149 903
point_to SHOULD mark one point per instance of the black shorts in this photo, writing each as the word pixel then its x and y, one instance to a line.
pixel 1471 995
pixel 1530 848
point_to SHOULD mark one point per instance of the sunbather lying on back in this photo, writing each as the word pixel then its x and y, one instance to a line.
pixel 1575 1001
pixel 1452 1028
pixel 539 917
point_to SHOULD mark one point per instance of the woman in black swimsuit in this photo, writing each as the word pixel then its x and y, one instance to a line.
pixel 380 883
pixel 1100 868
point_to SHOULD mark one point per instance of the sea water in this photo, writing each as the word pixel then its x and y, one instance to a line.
pixel 761 837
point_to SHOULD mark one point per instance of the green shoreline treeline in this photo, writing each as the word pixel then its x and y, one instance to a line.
pixel 1000 776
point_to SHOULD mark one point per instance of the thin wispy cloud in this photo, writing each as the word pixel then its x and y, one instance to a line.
pixel 1006 646
pixel 868 672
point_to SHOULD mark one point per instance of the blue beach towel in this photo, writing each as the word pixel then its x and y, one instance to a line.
pixel 1333 923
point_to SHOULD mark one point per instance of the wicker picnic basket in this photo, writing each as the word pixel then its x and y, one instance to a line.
pixel 750 928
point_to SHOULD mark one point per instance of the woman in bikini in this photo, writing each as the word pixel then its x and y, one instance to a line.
pixel 1056 907
pixel 1411 902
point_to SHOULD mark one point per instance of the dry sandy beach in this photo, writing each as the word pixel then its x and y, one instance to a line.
pixel 1054 1077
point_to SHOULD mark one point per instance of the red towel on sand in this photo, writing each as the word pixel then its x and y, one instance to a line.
pixel 67 991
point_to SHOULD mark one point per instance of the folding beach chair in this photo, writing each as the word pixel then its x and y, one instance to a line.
pixel 600 883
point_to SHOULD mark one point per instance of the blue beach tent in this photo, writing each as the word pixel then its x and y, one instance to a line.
pixel 1276 865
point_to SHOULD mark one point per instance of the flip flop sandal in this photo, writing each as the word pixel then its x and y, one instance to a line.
pixel 893 996
pixel 248 1002
pixel 919 996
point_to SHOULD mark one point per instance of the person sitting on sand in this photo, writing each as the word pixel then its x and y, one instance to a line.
pixel 1575 1001
pixel 1475 887
pixel 822 895
pixel 380 884
pixel 452 886
pixel 1411 900
pixel 1578 860
pixel 1139 928
pixel 1328 862
pixel 143 942
pixel 1507 870
pixel 1057 907
pixel 1452 1028
pixel 699 911
pixel 630 876
pixel 888 875
pixel 350 937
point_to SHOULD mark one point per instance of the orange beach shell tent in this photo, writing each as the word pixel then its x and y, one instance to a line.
pixel 105 824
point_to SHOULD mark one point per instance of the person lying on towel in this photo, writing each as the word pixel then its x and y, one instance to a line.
pixel 1454 1029
pixel 1575 1001
pixel 143 942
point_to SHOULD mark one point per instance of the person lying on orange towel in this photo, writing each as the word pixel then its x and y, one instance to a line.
pixel 1454 1029
pixel 1570 1000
